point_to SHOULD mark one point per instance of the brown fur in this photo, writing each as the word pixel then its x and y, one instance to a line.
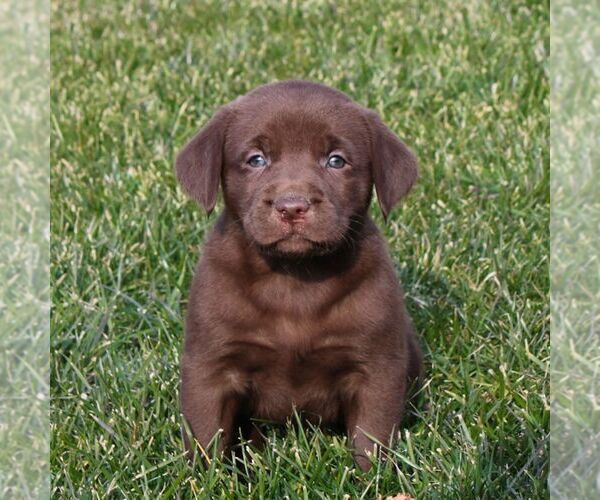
pixel 299 311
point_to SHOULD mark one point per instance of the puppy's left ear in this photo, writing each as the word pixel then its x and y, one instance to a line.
pixel 393 165
pixel 200 162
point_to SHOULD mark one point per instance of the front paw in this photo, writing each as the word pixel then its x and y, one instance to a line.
pixel 363 461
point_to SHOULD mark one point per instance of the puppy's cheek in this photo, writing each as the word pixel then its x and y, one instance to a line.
pixel 251 228
pixel 328 224
pixel 261 225
pixel 357 192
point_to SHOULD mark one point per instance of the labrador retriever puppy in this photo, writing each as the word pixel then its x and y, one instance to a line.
pixel 295 303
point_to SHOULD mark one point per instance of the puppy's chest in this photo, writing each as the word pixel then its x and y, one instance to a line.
pixel 297 352
pixel 280 370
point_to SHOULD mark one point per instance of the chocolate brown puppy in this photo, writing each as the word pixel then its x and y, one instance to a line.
pixel 295 303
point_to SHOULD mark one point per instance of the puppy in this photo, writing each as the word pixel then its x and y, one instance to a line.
pixel 294 303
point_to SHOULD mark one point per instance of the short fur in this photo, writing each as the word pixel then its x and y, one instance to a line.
pixel 302 312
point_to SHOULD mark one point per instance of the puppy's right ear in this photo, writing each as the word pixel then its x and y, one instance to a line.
pixel 200 162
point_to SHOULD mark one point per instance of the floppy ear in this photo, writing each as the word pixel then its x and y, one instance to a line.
pixel 200 162
pixel 393 165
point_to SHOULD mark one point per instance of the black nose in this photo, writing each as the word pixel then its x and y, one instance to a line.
pixel 291 206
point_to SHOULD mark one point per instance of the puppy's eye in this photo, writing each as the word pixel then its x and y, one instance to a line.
pixel 336 161
pixel 257 161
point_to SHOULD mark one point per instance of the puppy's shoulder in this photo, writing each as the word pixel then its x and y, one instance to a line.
pixel 222 247
pixel 375 243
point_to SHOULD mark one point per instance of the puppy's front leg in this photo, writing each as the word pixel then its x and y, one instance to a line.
pixel 207 409
pixel 375 413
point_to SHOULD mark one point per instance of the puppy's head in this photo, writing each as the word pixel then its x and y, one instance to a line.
pixel 297 162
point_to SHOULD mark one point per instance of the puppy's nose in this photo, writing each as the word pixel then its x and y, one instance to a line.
pixel 291 206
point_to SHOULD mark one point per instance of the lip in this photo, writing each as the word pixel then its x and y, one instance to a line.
pixel 293 236
pixel 293 222
pixel 289 233
pixel 289 228
pixel 305 245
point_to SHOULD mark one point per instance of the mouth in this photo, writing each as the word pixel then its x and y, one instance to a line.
pixel 297 238
pixel 296 244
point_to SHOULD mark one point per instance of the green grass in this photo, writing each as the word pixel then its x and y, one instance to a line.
pixel 24 249
pixel 575 432
pixel 464 83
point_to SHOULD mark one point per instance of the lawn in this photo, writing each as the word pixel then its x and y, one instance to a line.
pixel 464 83
pixel 24 249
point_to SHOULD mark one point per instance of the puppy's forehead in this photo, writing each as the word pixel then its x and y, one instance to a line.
pixel 297 122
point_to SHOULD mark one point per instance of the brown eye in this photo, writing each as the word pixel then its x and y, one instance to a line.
pixel 257 161
pixel 336 161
